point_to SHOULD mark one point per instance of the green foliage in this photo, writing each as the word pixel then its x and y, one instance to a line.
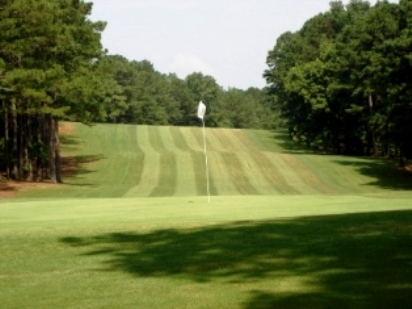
pixel 341 81
pixel 145 96
pixel 47 51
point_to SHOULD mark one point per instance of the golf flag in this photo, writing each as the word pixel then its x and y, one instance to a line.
pixel 201 110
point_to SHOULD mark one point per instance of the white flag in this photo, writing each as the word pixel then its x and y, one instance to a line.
pixel 201 110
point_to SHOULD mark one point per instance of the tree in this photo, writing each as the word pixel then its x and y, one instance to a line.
pixel 205 88
pixel 43 45
pixel 342 80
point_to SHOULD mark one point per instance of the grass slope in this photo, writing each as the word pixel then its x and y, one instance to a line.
pixel 149 161
pixel 131 227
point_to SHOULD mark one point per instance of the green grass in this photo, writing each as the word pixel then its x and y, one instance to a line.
pixel 236 252
pixel 111 161
pixel 132 228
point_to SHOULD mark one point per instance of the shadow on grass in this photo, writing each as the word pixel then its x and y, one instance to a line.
pixel 347 261
pixel 384 171
pixel 75 165
pixel 284 140
pixel 70 143
pixel 69 140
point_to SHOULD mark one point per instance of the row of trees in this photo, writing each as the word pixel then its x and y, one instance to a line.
pixel 46 49
pixel 53 67
pixel 343 81
pixel 142 95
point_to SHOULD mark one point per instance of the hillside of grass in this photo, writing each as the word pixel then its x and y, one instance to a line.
pixel 114 161
pixel 131 227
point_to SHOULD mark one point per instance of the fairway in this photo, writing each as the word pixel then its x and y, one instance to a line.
pixel 112 161
pixel 132 227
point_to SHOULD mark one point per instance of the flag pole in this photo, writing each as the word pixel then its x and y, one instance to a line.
pixel 207 166
pixel 201 111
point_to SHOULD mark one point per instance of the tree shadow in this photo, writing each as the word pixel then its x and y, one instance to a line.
pixel 70 143
pixel 72 166
pixel 346 261
pixel 69 140
pixel 288 146
pixel 284 140
pixel 384 171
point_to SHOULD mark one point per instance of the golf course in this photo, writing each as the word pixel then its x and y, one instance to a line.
pixel 132 226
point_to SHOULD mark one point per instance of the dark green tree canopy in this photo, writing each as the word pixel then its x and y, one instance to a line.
pixel 342 80
pixel 46 50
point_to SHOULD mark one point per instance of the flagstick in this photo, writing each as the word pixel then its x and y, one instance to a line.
pixel 207 167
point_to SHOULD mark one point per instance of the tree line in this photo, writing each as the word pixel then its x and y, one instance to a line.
pixel 53 67
pixel 142 95
pixel 343 81
pixel 47 48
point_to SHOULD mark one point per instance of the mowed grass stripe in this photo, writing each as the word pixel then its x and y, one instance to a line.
pixel 256 177
pixel 264 165
pixel 219 178
pixel 237 174
pixel 223 182
pixel 118 161
pixel 334 173
pixel 185 180
pixel 241 165
pixel 229 153
pixel 122 162
pixel 138 164
pixel 326 172
pixel 233 165
pixel 307 175
pixel 168 166
pixel 291 176
pixel 225 142
pixel 150 167
pixel 347 177
pixel 140 161
pixel 219 170
pixel 193 138
pixel 197 161
pixel 212 143
pixel 179 140
pixel 298 178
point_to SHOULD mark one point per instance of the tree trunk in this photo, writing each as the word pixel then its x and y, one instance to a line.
pixel 54 159
pixel 57 153
pixel 6 140
pixel 28 148
pixel 52 149
pixel 373 135
pixel 14 152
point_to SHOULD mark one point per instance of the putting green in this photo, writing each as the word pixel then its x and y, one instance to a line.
pixel 167 211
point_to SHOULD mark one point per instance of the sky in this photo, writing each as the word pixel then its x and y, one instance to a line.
pixel 226 39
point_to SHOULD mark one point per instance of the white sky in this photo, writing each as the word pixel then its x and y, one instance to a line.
pixel 227 39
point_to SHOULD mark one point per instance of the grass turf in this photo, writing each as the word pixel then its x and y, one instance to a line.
pixel 131 228
pixel 140 161
pixel 236 252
